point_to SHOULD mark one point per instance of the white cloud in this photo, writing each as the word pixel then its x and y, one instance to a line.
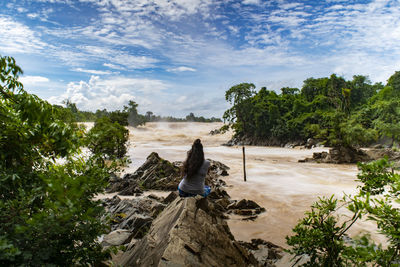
pixel 21 10
pixel 32 80
pixel 251 2
pixel 96 72
pixel 113 66
pixel 181 69
pixel 18 38
pixel 32 15
pixel 112 93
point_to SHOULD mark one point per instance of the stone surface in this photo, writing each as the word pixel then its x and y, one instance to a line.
pixel 134 215
pixel 189 232
pixel 117 237
pixel 266 253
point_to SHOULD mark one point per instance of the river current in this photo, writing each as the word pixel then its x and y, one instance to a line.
pixel 275 178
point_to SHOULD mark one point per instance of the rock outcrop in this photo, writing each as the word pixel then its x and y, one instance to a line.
pixel 133 215
pixel 377 153
pixel 189 232
pixel 160 174
pixel 266 253
pixel 339 155
pixel 258 141
pixel 175 231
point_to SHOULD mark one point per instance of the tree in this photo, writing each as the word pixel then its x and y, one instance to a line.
pixel 47 212
pixel 119 116
pixel 149 116
pixel 108 138
pixel 239 97
pixel 134 118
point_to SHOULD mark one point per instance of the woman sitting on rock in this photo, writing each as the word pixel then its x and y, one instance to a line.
pixel 194 171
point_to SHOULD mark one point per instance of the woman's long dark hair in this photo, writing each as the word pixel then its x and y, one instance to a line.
pixel 194 160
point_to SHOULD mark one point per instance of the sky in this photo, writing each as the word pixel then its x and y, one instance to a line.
pixel 173 57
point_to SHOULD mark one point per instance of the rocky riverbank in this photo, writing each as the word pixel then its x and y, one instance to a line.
pixel 175 231
pixel 257 141
pixel 340 155
pixel 335 155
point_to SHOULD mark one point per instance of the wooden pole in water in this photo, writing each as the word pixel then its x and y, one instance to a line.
pixel 244 164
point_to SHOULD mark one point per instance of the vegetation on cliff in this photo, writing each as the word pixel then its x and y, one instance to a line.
pixel 336 111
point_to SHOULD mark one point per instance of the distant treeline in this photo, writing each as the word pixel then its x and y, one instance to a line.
pixel 128 116
pixel 335 111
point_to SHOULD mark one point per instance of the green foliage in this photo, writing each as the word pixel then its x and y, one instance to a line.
pixel 47 212
pixel 240 97
pixel 321 235
pixel 335 111
pixel 108 138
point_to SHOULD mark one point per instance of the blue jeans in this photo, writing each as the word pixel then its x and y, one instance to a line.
pixel 207 191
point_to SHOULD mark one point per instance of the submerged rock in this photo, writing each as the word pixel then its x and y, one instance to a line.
pixel 245 207
pixel 215 132
pixel 189 232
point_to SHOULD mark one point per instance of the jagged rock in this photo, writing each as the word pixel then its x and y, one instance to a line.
pixel 266 253
pixel 214 132
pixel 375 153
pixel 289 260
pixel 217 168
pixel 244 204
pixel 245 207
pixel 160 174
pixel 224 202
pixel 339 155
pixel 258 141
pixel 152 196
pixel 189 232
pixel 117 238
pixel 171 197
pixel 218 193
pixel 310 143
pixel 134 215
pixel 131 190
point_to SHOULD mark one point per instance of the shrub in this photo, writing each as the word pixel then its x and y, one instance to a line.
pixel 47 212
pixel 322 237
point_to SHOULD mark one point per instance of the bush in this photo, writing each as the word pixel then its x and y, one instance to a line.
pixel 47 212
pixel 108 138
pixel 320 235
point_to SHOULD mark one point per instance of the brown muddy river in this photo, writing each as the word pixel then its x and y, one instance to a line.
pixel 275 178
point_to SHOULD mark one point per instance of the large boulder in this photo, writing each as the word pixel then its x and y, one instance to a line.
pixel 189 232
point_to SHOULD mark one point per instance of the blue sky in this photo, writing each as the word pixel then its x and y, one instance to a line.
pixel 178 56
